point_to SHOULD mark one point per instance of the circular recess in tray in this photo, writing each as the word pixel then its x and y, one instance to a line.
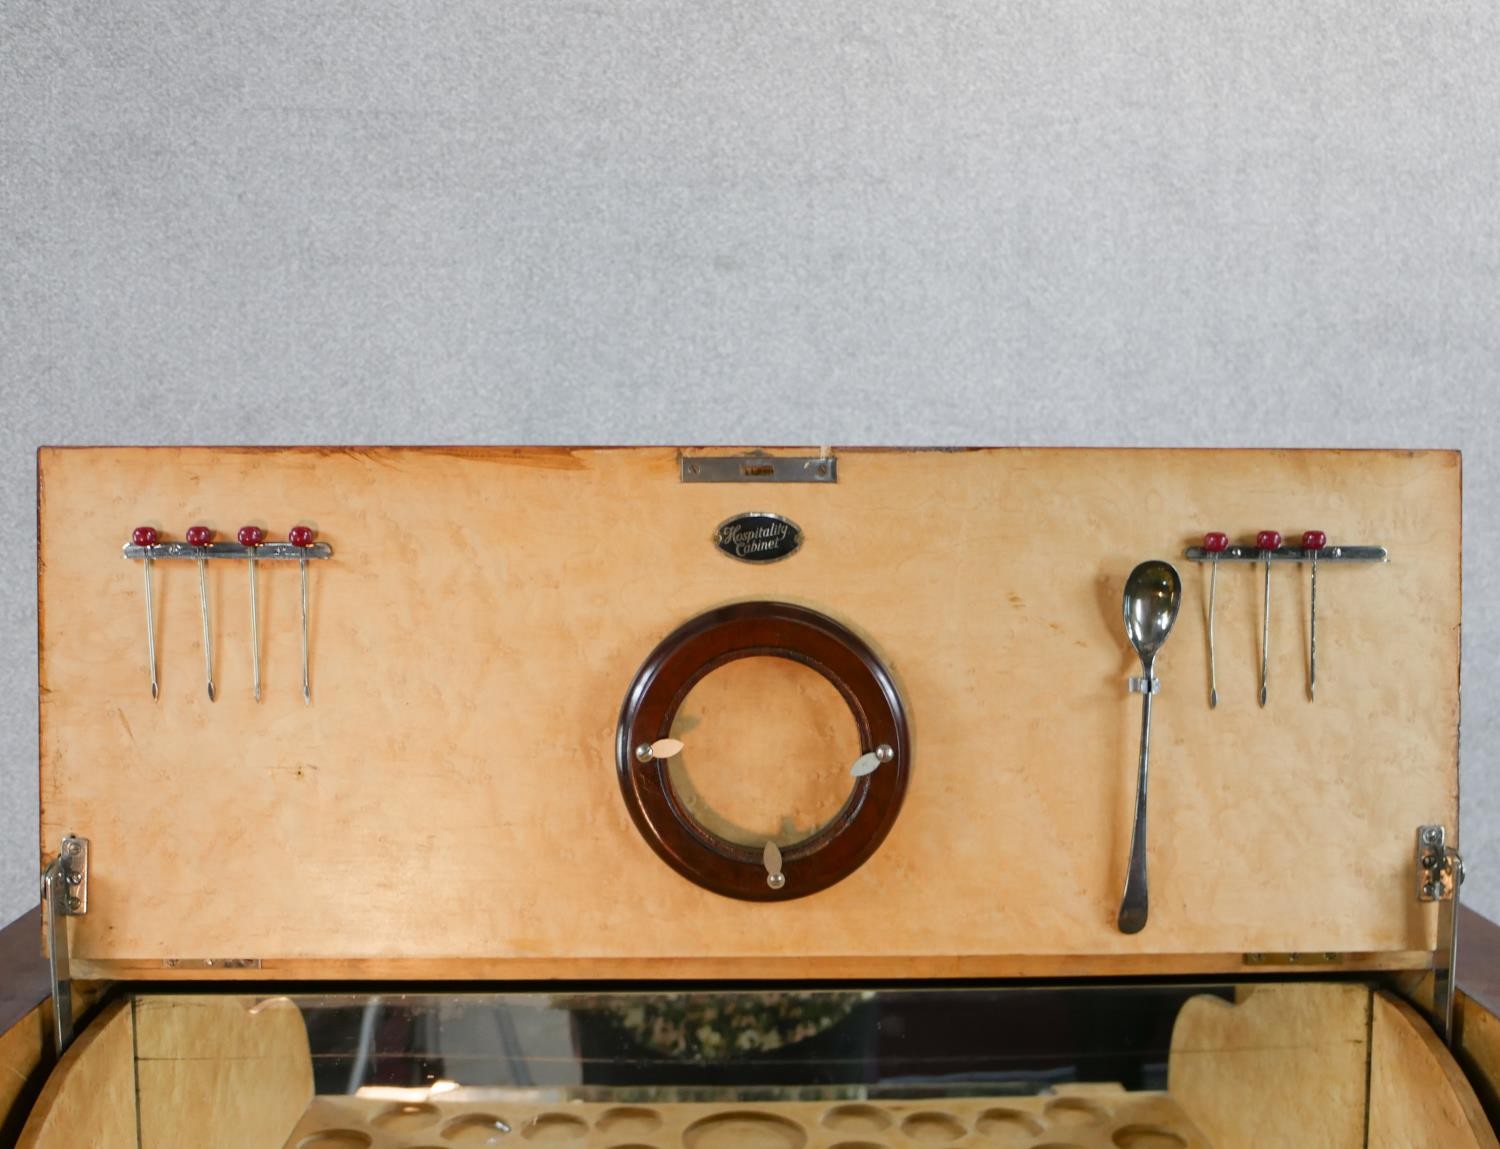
pixel 476 1129
pixel 405 1116
pixel 336 1139
pixel 1008 1126
pixel 1074 1113
pixel 628 1121
pixel 664 816
pixel 1147 1137
pixel 857 1119
pixel 744 1129
pixel 552 1128
pixel 933 1127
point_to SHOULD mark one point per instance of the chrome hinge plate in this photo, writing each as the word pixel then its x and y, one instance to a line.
pixel 1440 873
pixel 65 894
pixel 73 864
pixel 759 469
pixel 1440 868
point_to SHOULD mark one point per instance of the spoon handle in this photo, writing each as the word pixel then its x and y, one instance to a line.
pixel 1134 904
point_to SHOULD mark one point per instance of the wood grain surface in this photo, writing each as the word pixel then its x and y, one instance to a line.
pixel 1285 1065
pixel 1418 1095
pixel 1477 1050
pixel 90 1098
pixel 449 796
pixel 1072 1117
pixel 234 1072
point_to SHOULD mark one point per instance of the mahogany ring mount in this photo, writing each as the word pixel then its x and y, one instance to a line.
pixel 747 630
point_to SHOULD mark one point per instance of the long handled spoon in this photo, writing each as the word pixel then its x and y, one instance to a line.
pixel 1153 593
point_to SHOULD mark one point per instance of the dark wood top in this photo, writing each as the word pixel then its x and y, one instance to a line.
pixel 1479 959
pixel 23 970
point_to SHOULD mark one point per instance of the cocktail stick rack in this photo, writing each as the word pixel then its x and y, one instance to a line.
pixel 250 545
pixel 1268 549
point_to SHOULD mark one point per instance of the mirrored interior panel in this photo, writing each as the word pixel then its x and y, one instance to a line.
pixel 777 1068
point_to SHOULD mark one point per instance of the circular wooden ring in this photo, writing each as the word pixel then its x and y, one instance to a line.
pixel 747 630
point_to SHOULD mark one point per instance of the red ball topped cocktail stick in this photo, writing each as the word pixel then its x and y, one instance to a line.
pixel 302 537
pixel 1215 543
pixel 200 537
pixel 1266 542
pixel 1312 543
pixel 251 537
pixel 147 537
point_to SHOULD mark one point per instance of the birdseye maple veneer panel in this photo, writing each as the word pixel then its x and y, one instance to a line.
pixel 449 801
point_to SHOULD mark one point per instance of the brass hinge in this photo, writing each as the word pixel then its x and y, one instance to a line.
pixel 1310 959
pixel 210 963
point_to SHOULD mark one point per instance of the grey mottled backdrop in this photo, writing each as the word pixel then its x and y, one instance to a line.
pixel 1246 222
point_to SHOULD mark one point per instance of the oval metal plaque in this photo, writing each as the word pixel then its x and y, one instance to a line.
pixel 758 537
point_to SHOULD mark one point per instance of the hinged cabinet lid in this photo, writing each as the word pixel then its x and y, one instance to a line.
pixel 451 798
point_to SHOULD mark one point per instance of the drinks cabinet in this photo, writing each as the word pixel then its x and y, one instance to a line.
pixel 792 798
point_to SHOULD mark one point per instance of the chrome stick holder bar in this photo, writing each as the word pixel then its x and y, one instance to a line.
pixel 1330 554
pixel 1440 873
pixel 266 552
pixel 65 894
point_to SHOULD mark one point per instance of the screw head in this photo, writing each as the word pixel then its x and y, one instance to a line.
pixel 776 881
pixel 1430 836
pixel 72 848
pixel 884 753
pixel 73 903
pixel 643 752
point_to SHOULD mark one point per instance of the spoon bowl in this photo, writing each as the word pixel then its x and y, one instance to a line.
pixel 1153 595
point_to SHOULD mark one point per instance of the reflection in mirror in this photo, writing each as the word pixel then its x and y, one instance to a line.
pixel 702 1068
